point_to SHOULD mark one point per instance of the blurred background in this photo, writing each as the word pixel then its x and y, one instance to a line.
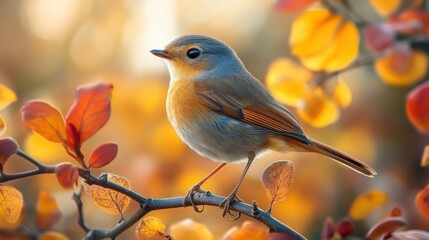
pixel 50 47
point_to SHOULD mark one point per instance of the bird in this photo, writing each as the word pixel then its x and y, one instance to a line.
pixel 221 111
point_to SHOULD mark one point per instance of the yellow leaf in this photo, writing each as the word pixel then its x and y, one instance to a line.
pixel 365 203
pixel 248 230
pixel 44 150
pixel 386 7
pixel 331 44
pixel 425 158
pixel 50 235
pixel 416 70
pixel 7 96
pixel 188 229
pixel 47 212
pixel 317 110
pixel 151 228
pixel 11 203
pixel 277 180
pixel 109 200
pixel 342 94
pixel 2 125
pixel 287 81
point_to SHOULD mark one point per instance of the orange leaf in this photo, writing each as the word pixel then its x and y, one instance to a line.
pixel 103 155
pixel 7 96
pixel 379 36
pixel 47 212
pixel 50 235
pixel 190 230
pixel 248 230
pixel 317 109
pixel 67 174
pixel 90 110
pixel 8 147
pixel 385 227
pixel 2 125
pixel 365 203
pixel 386 7
pixel 277 180
pixel 291 6
pixel 109 200
pixel 422 201
pixel 396 212
pixel 425 158
pixel 417 105
pixel 44 119
pixel 416 22
pixel 11 203
pixel 151 228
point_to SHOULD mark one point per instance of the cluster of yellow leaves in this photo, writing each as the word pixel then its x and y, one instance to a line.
pixel 319 106
pixel 324 41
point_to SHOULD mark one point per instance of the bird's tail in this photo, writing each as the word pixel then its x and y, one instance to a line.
pixel 358 166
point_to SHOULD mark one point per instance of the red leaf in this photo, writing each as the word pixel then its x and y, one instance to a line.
pixel 8 147
pixel 413 15
pixel 291 6
pixel 103 155
pixel 422 201
pixel 44 119
pixel 385 226
pixel 379 36
pixel 90 111
pixel 417 106
pixel 67 174
pixel 396 212
pixel 345 228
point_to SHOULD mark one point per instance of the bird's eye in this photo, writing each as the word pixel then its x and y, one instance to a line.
pixel 193 53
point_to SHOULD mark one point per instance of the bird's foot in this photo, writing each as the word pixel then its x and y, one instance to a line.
pixel 226 206
pixel 190 197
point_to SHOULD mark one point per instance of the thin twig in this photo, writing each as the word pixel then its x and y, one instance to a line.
pixel 81 220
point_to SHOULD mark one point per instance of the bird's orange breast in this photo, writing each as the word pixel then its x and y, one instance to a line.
pixel 184 105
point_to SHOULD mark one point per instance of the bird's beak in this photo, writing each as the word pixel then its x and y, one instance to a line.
pixel 162 54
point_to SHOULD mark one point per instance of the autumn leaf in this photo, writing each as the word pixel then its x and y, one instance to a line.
pixel 51 235
pixel 2 125
pixel 386 7
pixel 422 201
pixel 67 174
pixel 109 200
pixel 324 41
pixel 90 111
pixel 277 180
pixel 396 212
pixel 365 203
pixel 7 96
pixel 248 230
pixel 151 228
pixel 103 155
pixel 287 81
pixel 399 69
pixel 385 227
pixel 411 22
pixel 47 212
pixel 11 203
pixel 8 147
pixel 188 229
pixel 44 119
pixel 291 6
pixel 425 157
pixel 417 105
pixel 342 94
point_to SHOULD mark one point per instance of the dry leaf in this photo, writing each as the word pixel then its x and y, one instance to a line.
pixel 44 119
pixel 67 174
pixel 151 228
pixel 47 212
pixel 365 203
pixel 277 179
pixel 8 147
pixel 11 203
pixel 90 111
pixel 103 155
pixel 385 226
pixel 109 200
pixel 248 230
pixel 188 229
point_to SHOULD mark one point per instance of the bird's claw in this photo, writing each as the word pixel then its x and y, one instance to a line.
pixel 226 206
pixel 190 197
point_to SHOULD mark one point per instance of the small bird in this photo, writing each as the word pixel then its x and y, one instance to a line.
pixel 225 114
